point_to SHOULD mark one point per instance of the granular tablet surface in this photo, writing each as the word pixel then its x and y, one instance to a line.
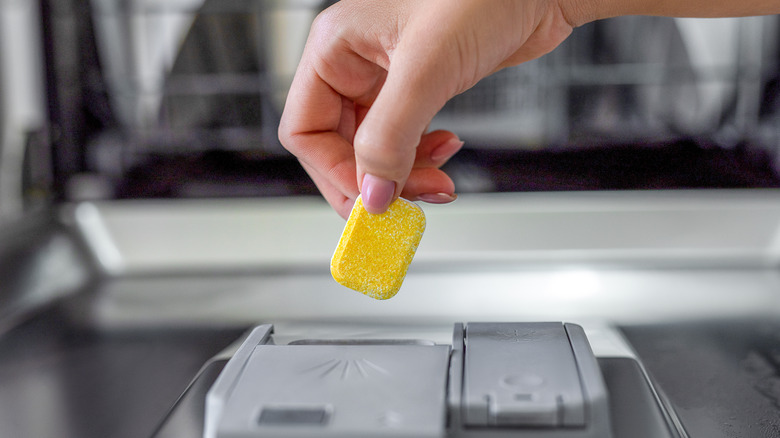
pixel 375 250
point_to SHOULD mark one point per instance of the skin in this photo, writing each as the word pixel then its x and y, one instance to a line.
pixel 374 73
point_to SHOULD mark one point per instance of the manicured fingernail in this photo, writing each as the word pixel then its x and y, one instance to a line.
pixel 446 150
pixel 437 198
pixel 376 193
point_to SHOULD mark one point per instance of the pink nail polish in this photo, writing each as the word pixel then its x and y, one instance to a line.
pixel 446 150
pixel 437 198
pixel 376 193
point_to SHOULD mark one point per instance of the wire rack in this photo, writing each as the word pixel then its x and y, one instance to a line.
pixel 196 75
pixel 629 80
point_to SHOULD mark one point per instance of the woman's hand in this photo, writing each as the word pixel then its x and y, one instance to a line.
pixel 375 72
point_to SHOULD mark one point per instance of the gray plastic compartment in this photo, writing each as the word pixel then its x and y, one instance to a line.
pixel 497 380
pixel 331 390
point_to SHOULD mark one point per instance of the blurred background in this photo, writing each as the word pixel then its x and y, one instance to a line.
pixel 149 216
pixel 126 99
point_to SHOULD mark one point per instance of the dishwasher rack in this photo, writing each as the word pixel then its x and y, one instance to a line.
pixel 188 76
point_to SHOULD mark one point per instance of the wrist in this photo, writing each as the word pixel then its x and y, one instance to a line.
pixel 579 12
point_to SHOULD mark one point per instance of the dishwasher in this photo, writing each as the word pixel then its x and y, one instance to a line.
pixel 611 267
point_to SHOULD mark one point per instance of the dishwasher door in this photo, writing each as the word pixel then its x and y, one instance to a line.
pixel 629 192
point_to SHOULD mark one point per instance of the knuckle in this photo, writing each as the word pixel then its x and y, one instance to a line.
pixel 384 159
pixel 286 137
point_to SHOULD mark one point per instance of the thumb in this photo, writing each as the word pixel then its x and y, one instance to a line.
pixel 385 142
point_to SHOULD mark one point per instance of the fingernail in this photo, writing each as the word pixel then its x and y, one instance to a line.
pixel 376 193
pixel 446 150
pixel 437 198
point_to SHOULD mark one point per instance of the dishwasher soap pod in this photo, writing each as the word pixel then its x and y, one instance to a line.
pixel 375 250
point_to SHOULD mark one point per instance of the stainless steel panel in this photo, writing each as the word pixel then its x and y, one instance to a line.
pixel 625 257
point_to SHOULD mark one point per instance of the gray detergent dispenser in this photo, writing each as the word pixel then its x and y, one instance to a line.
pixel 538 380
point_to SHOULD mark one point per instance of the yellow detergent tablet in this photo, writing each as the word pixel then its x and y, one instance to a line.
pixel 376 249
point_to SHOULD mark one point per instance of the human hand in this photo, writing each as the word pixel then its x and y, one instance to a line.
pixel 373 75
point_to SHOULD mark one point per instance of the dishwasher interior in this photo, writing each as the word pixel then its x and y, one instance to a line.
pixel 610 268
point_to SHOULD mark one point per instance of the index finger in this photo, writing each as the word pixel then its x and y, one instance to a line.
pixel 309 130
pixel 332 85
